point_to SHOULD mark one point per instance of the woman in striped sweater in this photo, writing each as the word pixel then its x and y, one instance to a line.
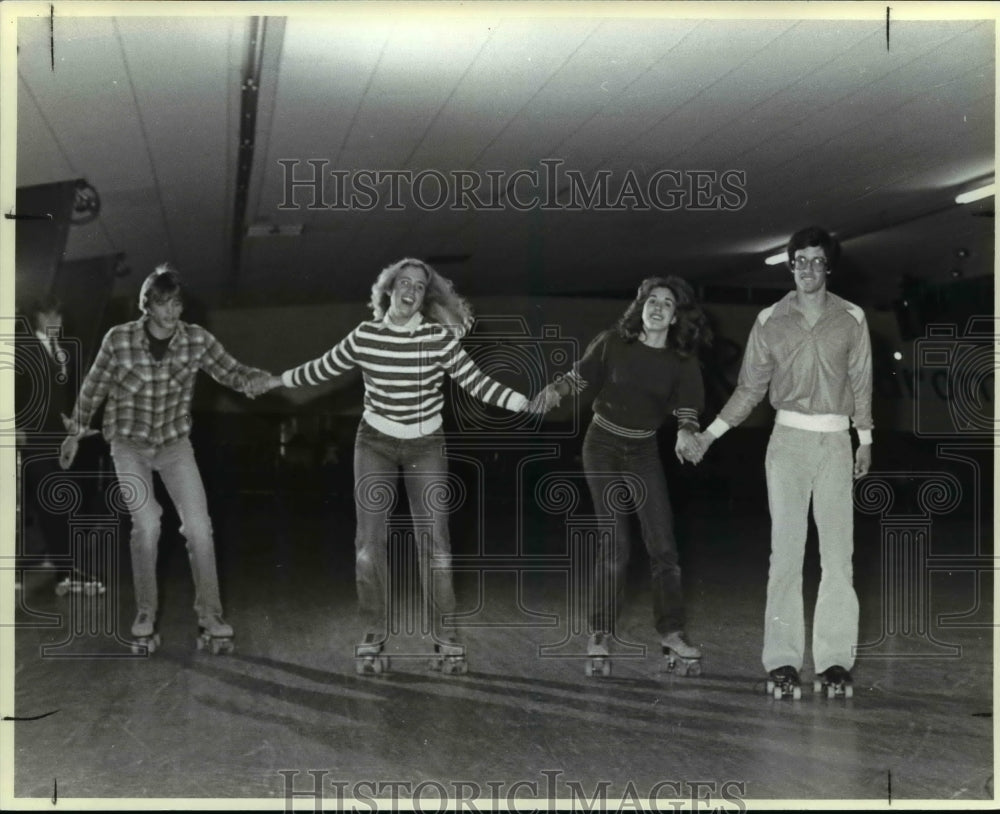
pixel 404 354
pixel 641 372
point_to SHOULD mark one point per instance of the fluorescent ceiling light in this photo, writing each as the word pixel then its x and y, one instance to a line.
pixel 975 194
pixel 776 259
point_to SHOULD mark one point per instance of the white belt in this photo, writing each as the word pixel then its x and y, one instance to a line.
pixel 825 422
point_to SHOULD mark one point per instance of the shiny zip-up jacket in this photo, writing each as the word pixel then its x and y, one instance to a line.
pixel 823 370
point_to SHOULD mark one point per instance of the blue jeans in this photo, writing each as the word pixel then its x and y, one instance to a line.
pixel 606 457
pixel 135 465
pixel 378 459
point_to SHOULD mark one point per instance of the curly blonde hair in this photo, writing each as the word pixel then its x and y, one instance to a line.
pixel 442 304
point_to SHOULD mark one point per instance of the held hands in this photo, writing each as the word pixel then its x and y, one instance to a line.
pixel 687 447
pixel 692 446
pixel 546 398
pixel 260 383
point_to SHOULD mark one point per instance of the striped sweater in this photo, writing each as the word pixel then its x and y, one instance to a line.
pixel 404 369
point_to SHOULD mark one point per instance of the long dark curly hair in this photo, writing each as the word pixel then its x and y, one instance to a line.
pixel 688 334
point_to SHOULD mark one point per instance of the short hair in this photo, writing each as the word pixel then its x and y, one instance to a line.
pixel 441 302
pixel 688 334
pixel 164 282
pixel 46 304
pixel 814 236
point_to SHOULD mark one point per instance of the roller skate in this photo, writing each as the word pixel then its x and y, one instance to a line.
pixel 784 682
pixel 681 657
pixel 598 656
pixel 837 681
pixel 215 634
pixel 368 658
pixel 79 584
pixel 449 657
pixel 145 639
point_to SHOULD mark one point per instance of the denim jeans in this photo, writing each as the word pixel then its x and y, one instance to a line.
pixel 177 467
pixel 378 460
pixel 804 464
pixel 606 457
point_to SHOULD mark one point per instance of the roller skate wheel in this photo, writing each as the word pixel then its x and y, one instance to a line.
pixel 455 667
pixel 221 645
pixel 817 686
pixel 776 692
pixel 146 645
pixel 770 686
pixel 831 691
pixel 848 691
pixel 693 669
pixel 200 642
pixel 797 693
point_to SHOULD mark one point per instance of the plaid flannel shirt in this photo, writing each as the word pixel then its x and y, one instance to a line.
pixel 148 401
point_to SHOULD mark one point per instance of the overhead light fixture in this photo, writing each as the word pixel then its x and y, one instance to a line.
pixel 976 194
pixel 776 259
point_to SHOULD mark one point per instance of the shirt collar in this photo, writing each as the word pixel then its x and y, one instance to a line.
pixel 409 326
pixel 140 331
pixel 789 304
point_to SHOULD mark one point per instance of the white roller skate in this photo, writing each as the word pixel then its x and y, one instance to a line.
pixel 368 658
pixel 449 657
pixel 215 634
pixel 682 657
pixel 145 639
pixel 77 584
pixel 598 655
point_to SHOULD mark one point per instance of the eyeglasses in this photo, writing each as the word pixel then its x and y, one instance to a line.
pixel 817 263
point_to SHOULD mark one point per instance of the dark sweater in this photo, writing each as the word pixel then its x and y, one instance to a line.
pixel 637 386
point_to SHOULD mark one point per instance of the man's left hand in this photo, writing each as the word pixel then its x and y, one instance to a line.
pixel 862 460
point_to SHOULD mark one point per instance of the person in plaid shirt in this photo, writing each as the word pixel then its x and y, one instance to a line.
pixel 145 373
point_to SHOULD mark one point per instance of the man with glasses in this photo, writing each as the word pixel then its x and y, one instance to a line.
pixel 811 351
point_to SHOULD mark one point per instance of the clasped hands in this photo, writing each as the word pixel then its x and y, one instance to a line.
pixel 546 398
pixel 691 446
pixel 261 382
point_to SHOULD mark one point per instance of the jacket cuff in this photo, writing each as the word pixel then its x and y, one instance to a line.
pixel 864 437
pixel 717 428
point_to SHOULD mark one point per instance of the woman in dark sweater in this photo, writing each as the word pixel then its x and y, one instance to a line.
pixel 641 372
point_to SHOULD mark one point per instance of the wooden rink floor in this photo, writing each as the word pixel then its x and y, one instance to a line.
pixel 286 709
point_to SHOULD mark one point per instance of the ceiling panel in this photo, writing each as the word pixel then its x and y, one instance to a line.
pixel 826 124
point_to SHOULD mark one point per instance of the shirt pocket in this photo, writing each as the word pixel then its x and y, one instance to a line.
pixel 131 380
pixel 181 372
